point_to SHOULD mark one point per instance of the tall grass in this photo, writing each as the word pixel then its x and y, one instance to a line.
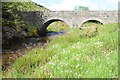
pixel 77 54
pixel 58 26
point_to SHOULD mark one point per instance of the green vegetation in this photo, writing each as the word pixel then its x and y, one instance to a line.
pixel 27 6
pixel 58 26
pixel 12 23
pixel 8 9
pixel 83 53
pixel 81 8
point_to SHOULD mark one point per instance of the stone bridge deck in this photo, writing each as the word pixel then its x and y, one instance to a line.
pixel 43 19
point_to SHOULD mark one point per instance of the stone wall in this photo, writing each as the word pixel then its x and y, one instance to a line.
pixel 79 17
pixel 32 18
pixel 42 19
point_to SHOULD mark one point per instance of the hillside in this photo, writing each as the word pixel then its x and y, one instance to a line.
pixel 40 7
pixel 29 6
pixel 77 54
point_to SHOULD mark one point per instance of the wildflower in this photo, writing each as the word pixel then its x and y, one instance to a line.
pixel 77 66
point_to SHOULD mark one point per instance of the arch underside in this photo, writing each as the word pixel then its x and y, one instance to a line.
pixel 42 30
pixel 93 21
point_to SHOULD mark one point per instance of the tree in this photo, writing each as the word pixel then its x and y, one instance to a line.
pixel 81 8
pixel 11 22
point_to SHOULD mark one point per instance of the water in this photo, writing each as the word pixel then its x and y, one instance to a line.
pixel 19 47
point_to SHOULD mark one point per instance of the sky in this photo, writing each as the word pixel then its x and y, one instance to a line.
pixel 59 5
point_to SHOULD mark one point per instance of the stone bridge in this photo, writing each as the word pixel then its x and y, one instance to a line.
pixel 43 19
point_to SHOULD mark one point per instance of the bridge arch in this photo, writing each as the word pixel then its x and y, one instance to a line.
pixel 92 20
pixel 42 30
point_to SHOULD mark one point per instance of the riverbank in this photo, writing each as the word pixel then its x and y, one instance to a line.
pixel 90 52
pixel 19 47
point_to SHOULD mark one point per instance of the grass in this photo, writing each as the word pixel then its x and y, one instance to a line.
pixel 58 26
pixel 77 54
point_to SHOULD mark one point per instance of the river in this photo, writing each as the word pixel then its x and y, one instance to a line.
pixel 19 47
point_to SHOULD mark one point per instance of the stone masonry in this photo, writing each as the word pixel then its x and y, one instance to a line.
pixel 43 19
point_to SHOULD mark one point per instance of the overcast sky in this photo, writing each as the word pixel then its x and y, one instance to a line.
pixel 70 4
